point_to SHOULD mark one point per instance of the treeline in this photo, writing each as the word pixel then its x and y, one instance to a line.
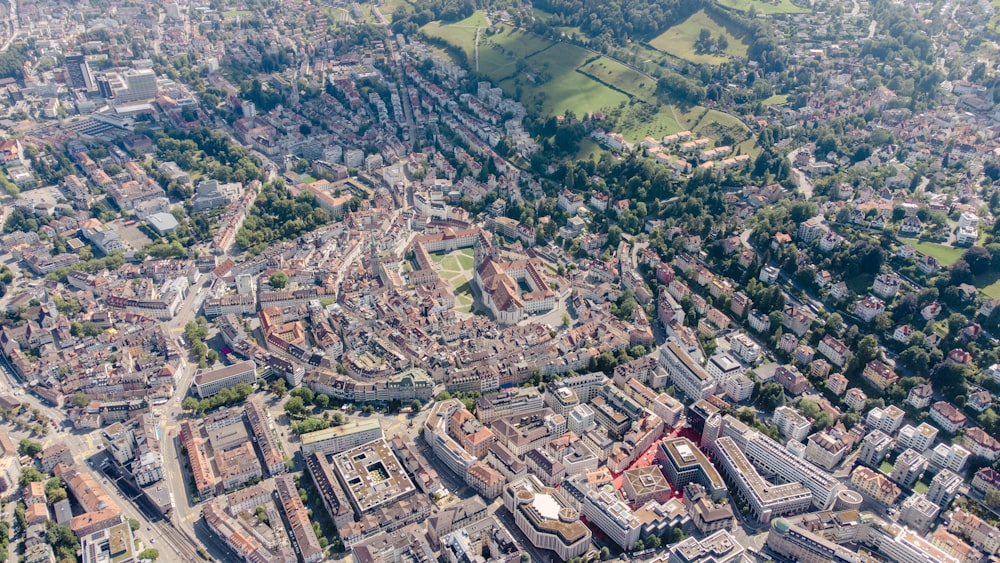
pixel 277 216
pixel 210 152
pixel 407 17
pixel 12 62
pixel 622 20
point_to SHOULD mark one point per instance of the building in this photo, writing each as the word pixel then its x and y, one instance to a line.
pixel 792 425
pixel 879 375
pixel 764 499
pixel 684 463
pixel 981 443
pixel 949 456
pixel 918 438
pixel 210 382
pixel 771 458
pixel 984 537
pixel 909 467
pixel 707 515
pixel 78 73
pixel 875 447
pixel 643 484
pixel 834 350
pixel 944 488
pixel 918 512
pixel 545 519
pixel 720 547
pixel 885 419
pixel 948 417
pixel 297 521
pixel 828 447
pixel 110 544
pixel 689 377
pixel 340 438
pixel 604 508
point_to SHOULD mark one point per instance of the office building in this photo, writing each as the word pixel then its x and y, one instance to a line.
pixel 78 74
pixel 689 377
pixel 545 519
pixel 340 438
pixel 209 382
pixel 764 499
pixel 720 547
pixel 604 508
pixel 684 463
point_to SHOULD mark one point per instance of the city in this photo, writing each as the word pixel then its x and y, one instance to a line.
pixel 675 281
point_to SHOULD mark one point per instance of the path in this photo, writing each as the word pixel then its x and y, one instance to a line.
pixel 476 43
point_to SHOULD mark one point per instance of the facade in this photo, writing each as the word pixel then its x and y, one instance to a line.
pixel 875 485
pixel 340 438
pixel 210 382
pixel 545 519
pixel 765 500
pixel 683 462
pixel 685 373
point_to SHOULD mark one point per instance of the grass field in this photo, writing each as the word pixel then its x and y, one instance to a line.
pixel 456 269
pixel 620 76
pixel 775 99
pixel 764 6
pixel 635 125
pixel 946 255
pixel 679 40
pixel 232 14
pixel 545 73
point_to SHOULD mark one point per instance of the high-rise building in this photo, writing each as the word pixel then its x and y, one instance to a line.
pixel 140 84
pixel 78 73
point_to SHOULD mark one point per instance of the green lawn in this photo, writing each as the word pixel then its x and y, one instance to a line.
pixel 765 6
pixel 775 99
pixel 920 487
pixel 992 290
pixel 946 255
pixel 306 179
pixel 589 149
pixel 635 125
pixel 886 467
pixel 232 14
pixel 620 76
pixel 679 40
pixel 544 73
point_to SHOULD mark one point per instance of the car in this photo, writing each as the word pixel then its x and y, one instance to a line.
pixel 152 540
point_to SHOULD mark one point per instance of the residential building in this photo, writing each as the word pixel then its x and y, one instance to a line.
pixel 874 484
pixel 909 467
pixel 792 425
pixel 209 382
pixel 689 377
pixel 944 488
pixel 948 417
pixel 765 500
pixel 918 513
pixel 918 438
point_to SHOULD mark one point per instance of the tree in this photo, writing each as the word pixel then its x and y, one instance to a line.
pixel 80 400
pixel 54 490
pixel 978 259
pixel 295 406
pixel 134 524
pixel 30 475
pixel 867 349
pixel 279 387
pixel 835 323
pixel 28 447
pixel 151 554
pixel 992 499
pixel 303 393
pixel 769 395
pixel 322 401
pixel 416 405
pixel 278 280
pixel 61 539
pixel 190 404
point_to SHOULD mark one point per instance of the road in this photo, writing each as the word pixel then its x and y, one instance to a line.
pixel 802 181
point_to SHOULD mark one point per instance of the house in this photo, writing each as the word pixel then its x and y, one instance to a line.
pixel 920 396
pixel 886 286
pixel 855 398
pixel 948 417
pixel 839 290
pixel 979 400
pixel 868 308
pixel 928 265
pixel 879 375
pixel 834 350
pixel 911 226
pixel 902 333
pixel 930 311
pixel 981 443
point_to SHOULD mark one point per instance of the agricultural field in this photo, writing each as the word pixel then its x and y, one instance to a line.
pixel 764 6
pixel 680 39
pixel 620 77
